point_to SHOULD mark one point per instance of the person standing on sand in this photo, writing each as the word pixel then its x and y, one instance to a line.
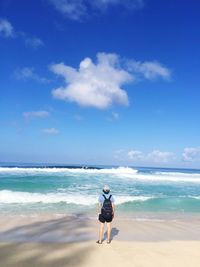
pixel 106 210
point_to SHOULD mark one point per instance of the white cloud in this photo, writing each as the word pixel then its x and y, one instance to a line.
pixel 50 131
pixel 149 69
pixel 135 155
pixel 29 74
pixel 160 156
pixel 100 84
pixel 96 85
pixel 36 114
pixel 33 42
pixel 6 28
pixel 191 154
pixel 79 9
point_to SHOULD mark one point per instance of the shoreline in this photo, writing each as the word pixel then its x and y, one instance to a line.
pixel 80 227
pixel 125 215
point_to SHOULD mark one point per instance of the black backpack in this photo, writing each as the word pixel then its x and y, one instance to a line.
pixel 107 210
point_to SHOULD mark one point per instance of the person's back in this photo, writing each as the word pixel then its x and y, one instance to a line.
pixel 106 209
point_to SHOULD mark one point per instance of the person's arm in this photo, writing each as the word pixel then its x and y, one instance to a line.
pixel 99 208
pixel 99 205
pixel 113 208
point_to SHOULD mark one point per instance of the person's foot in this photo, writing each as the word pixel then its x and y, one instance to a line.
pixel 108 241
pixel 99 242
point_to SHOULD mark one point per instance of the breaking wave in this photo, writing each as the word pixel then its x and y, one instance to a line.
pixel 9 197
pixel 119 170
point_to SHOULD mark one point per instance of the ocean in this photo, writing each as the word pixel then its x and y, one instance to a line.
pixel 74 189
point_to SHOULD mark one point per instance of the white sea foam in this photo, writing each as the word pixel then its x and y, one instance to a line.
pixel 118 171
pixel 173 177
pixel 185 174
pixel 195 197
pixel 9 197
pixel 125 199
pixel 163 177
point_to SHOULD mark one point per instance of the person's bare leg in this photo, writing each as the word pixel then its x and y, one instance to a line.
pixel 108 232
pixel 101 232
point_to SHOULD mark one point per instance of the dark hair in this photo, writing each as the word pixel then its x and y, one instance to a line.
pixel 106 192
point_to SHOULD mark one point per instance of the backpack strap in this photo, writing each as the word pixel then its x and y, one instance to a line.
pixel 107 198
pixel 104 196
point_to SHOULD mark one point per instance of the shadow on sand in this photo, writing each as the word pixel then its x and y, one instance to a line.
pixel 114 232
pixel 46 243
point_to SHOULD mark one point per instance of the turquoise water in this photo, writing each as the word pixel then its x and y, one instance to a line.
pixel 68 190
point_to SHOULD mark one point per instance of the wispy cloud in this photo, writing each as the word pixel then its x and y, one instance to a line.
pixel 74 10
pixel 100 84
pixel 36 114
pixel 78 117
pixel 115 115
pixel 124 3
pixel 80 9
pixel 191 154
pixel 6 29
pixel 50 131
pixel 160 156
pixel 135 155
pixel 155 156
pixel 33 42
pixel 29 74
pixel 149 69
pixel 119 154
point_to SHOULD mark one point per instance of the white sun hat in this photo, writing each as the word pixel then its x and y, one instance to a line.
pixel 106 188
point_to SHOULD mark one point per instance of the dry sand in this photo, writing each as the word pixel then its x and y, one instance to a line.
pixel 70 241
pixel 118 253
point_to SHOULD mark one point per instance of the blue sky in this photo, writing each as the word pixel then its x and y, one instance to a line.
pixel 100 82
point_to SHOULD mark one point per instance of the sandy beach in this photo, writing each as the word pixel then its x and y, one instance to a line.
pixel 50 240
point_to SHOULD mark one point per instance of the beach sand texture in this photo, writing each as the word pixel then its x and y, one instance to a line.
pixel 70 241
pixel 119 253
